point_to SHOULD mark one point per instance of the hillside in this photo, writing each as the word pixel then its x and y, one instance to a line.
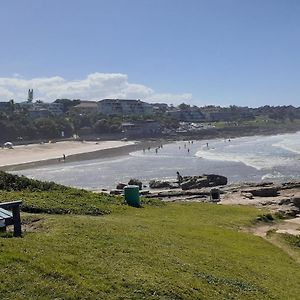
pixel 171 251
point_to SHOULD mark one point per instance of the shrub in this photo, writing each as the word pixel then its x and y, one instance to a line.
pixel 10 182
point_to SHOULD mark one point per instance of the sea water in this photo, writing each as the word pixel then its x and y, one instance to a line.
pixel 246 159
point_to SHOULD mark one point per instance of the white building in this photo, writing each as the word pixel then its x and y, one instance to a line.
pixel 124 107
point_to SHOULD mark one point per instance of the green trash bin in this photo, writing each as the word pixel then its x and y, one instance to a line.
pixel 132 195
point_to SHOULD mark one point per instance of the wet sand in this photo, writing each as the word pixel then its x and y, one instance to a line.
pixel 26 156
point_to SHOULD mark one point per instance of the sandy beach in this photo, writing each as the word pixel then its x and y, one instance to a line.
pixel 33 154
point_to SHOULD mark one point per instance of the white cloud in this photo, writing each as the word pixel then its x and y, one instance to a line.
pixel 5 93
pixel 171 98
pixel 95 86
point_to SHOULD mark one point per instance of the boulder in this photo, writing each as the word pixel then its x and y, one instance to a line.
pixel 195 182
pixel 263 191
pixel 296 200
pixel 247 195
pixel 160 184
pixel 115 192
pixel 144 192
pixel 120 186
pixel 288 210
pixel 198 182
pixel 215 180
pixel 134 181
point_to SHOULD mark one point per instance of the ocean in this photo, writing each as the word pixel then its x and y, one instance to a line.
pixel 246 159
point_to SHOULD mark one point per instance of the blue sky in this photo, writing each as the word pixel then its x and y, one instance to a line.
pixel 220 52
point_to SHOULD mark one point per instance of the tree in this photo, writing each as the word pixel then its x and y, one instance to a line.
pixel 46 128
pixel 184 106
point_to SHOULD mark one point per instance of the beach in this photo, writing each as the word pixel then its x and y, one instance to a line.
pixel 247 159
pixel 31 155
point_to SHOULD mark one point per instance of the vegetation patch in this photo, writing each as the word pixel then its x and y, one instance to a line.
pixel 266 218
pixel 293 240
pixel 52 198
pixel 10 182
pixel 176 251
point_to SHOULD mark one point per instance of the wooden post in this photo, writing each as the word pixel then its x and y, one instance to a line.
pixel 17 221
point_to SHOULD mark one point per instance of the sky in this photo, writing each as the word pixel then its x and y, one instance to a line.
pixel 201 52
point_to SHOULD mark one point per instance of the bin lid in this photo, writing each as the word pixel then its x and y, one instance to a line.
pixel 131 187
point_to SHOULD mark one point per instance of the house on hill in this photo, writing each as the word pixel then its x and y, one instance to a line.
pixel 125 107
pixel 86 107
pixel 187 115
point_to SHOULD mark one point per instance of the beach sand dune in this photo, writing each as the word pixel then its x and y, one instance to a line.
pixel 26 154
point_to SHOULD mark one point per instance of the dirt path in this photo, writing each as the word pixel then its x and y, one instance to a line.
pixel 290 226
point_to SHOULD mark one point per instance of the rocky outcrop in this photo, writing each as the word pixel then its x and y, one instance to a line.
pixel 206 180
pixel 296 200
pixel 215 180
pixel 134 181
pixel 161 184
pixel 262 191
pixel 120 186
pixel 115 192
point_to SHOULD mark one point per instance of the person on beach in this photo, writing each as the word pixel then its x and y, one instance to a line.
pixel 179 178
pixel 64 157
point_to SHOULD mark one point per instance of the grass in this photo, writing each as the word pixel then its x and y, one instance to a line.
pixel 292 240
pixel 174 251
pixel 261 123
pixel 69 201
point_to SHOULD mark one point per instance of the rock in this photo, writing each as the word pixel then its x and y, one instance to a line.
pixel 115 192
pixel 296 201
pixel 198 182
pixel 288 210
pixel 284 201
pixel 134 181
pixel 262 191
pixel 247 195
pixel 160 184
pixel 120 186
pixel 144 192
pixel 215 180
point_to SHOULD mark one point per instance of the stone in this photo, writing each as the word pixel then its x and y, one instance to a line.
pixel 134 181
pixel 120 186
pixel 144 192
pixel 160 184
pixel 215 180
pixel 264 192
pixel 198 182
pixel 247 195
pixel 284 201
pixel 296 200
pixel 115 192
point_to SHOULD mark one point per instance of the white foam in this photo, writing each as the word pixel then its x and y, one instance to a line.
pixel 273 175
pixel 289 144
pixel 247 159
pixel 257 152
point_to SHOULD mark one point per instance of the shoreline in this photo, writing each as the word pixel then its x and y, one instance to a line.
pixel 121 148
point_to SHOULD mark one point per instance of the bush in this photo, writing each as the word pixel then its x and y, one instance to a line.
pixel 265 218
pixel 10 182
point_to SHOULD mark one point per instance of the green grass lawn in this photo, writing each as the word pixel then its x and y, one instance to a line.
pixel 173 251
